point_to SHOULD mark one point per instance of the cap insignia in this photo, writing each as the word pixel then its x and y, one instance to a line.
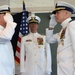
pixel 33 18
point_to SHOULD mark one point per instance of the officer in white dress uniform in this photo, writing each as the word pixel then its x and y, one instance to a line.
pixel 7 28
pixel 36 50
pixel 65 38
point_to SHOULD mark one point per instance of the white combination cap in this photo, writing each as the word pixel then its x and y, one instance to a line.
pixel 60 5
pixel 33 19
pixel 4 9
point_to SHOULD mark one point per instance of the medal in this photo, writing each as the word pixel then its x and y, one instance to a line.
pixel 62 40
pixel 38 46
pixel 40 41
pixel 62 36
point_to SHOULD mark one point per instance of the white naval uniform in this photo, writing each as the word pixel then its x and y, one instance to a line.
pixel 38 57
pixel 6 51
pixel 66 52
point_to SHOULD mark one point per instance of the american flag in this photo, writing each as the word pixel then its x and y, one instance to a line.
pixel 24 30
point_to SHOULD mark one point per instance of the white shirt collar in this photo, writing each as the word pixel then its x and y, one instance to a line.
pixel 64 23
pixel 34 34
pixel 1 27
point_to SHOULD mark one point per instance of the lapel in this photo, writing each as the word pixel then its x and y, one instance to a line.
pixel 63 31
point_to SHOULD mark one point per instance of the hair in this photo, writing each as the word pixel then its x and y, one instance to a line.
pixel 69 14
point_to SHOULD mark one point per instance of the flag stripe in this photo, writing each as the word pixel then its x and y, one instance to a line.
pixel 19 39
pixel 18 44
pixel 18 49
pixel 17 54
pixel 17 59
pixel 24 30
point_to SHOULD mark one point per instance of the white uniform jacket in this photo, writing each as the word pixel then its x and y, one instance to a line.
pixel 66 48
pixel 38 55
pixel 6 51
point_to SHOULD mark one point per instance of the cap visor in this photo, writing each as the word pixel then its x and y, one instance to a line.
pixel 54 12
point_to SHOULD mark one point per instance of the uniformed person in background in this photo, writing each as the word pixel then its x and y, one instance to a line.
pixel 7 28
pixel 65 38
pixel 36 50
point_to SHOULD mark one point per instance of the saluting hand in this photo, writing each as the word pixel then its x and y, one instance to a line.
pixel 52 22
pixel 8 18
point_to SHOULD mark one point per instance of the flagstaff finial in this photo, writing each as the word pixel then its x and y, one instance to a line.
pixel 23 2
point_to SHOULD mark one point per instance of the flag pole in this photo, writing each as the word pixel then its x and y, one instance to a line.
pixel 23 2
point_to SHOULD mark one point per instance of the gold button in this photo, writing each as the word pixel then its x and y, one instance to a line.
pixel 38 46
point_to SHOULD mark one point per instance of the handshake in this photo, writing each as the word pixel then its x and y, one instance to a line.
pixel 52 22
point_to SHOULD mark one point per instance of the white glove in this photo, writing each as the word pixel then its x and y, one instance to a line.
pixel 52 22
pixel 8 18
